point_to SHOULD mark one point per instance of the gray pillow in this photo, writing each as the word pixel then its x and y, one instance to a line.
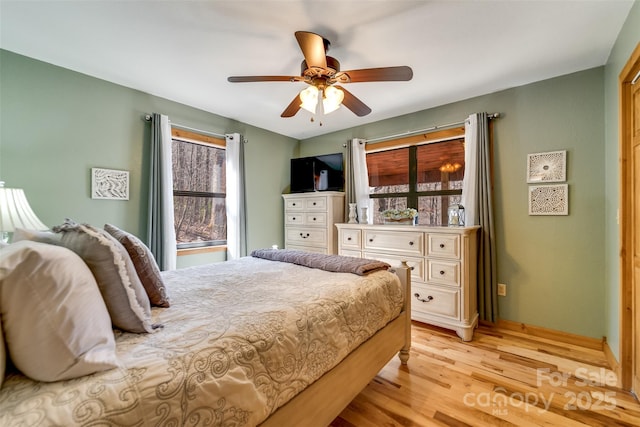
pixel 56 325
pixel 145 264
pixel 117 279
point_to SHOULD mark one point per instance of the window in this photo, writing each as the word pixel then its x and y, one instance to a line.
pixel 199 190
pixel 425 175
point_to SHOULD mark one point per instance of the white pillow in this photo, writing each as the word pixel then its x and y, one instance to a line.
pixel 56 325
pixel 35 235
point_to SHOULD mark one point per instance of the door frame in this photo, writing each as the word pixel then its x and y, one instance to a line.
pixel 627 306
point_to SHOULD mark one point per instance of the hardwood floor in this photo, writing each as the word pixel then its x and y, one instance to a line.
pixel 501 378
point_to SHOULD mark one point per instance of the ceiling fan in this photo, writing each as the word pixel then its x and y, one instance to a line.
pixel 322 74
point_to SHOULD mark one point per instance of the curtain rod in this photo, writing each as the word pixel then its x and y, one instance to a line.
pixel 147 118
pixel 411 132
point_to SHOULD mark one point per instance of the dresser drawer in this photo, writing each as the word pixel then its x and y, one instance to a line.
pixel 294 204
pixel 409 243
pixel 443 272
pixel 315 249
pixel 296 218
pixel 443 245
pixel 315 218
pixel 316 204
pixel 415 264
pixel 434 300
pixel 348 252
pixel 350 239
pixel 306 236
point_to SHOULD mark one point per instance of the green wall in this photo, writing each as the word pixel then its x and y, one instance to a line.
pixel 553 265
pixel 55 125
pixel 562 272
pixel 627 41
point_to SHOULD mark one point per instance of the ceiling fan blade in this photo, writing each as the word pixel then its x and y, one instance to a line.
pixel 292 108
pixel 354 104
pixel 247 79
pixel 384 74
pixel 312 46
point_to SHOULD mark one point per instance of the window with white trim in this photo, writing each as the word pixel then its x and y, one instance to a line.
pixel 199 189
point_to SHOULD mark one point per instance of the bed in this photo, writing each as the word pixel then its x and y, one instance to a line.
pixel 243 343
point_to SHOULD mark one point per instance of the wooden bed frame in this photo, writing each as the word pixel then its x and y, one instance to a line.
pixel 319 404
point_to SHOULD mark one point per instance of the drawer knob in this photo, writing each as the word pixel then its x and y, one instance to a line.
pixel 314 203
pixel 349 238
pixel 293 204
pixel 410 243
pixel 429 298
pixel 303 236
pixel 442 272
pixel 441 245
pixel 294 218
pixel 412 268
pixel 314 219
pixel 371 240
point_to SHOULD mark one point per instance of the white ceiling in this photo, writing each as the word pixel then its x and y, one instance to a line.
pixel 185 50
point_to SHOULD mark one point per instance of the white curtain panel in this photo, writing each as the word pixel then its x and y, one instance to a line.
pixel 161 231
pixel 349 189
pixel 235 202
pixel 361 178
pixel 469 198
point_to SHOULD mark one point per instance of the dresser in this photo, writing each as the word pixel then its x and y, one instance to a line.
pixel 443 268
pixel 309 220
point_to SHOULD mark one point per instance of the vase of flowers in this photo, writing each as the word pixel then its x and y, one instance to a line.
pixel 408 216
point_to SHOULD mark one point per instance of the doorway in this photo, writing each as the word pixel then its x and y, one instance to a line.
pixel 629 215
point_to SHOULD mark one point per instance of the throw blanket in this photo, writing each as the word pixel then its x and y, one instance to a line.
pixel 334 263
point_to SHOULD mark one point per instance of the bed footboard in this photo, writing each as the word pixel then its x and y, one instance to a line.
pixel 404 273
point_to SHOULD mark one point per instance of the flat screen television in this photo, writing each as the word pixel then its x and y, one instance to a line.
pixel 318 173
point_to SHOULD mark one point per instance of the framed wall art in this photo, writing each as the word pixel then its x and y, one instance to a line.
pixel 549 199
pixel 109 184
pixel 547 167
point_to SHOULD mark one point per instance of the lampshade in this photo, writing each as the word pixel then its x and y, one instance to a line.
pixel 332 99
pixel 309 98
pixel 15 212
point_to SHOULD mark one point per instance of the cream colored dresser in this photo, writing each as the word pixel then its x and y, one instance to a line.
pixel 309 220
pixel 443 268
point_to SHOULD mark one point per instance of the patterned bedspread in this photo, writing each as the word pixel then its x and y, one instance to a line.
pixel 240 339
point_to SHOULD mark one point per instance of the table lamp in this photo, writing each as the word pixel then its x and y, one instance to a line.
pixel 15 212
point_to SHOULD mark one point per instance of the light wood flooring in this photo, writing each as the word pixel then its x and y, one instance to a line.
pixel 501 378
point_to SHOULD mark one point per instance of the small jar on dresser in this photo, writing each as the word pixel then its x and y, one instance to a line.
pixel 309 220
pixel 443 268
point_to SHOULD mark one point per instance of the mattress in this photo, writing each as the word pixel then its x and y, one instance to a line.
pixel 240 339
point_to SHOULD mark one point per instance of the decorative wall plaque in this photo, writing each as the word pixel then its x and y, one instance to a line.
pixel 547 167
pixel 549 199
pixel 109 184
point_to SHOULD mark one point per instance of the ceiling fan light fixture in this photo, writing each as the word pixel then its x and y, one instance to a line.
pixel 320 72
pixel 309 98
pixel 331 99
